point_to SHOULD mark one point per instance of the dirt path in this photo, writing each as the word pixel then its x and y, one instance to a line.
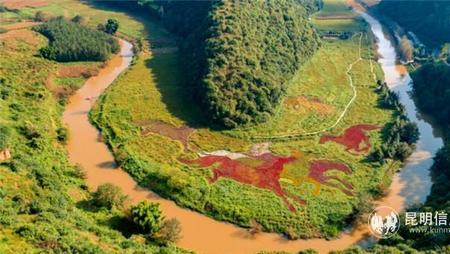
pixel 341 116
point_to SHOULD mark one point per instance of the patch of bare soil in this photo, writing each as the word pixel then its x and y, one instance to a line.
pixel 308 104
pixel 18 4
pixel 5 154
pixel 180 134
pixel 60 92
pixel 74 71
pixel 24 35
pixel 20 25
pixel 401 69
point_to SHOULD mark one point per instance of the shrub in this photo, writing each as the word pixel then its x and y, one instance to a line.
pixel 41 16
pixel 109 195
pixel 62 135
pixel 170 232
pixel 111 26
pixel 147 216
pixel 79 19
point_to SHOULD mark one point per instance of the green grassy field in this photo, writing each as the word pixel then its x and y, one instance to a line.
pixel 153 90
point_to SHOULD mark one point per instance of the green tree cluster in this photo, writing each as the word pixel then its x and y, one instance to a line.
pixel 432 90
pixel 70 41
pixel 400 136
pixel 428 19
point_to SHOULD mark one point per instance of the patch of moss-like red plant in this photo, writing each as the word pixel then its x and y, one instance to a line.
pixel 355 138
pixel 265 173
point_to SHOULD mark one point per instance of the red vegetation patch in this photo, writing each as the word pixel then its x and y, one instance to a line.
pixel 354 138
pixel 180 134
pixel 265 175
pixel 319 168
pixel 264 171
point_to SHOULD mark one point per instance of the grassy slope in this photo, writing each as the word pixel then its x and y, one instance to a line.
pixel 44 202
pixel 153 89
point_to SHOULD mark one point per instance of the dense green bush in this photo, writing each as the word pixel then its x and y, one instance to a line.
pixel 147 216
pixel 109 195
pixel 71 41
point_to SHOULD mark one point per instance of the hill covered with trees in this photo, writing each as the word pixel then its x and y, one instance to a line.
pixel 432 90
pixel 240 54
pixel 428 19
pixel 70 41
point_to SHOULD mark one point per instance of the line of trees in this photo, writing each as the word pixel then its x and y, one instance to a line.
pixel 401 135
pixel 70 41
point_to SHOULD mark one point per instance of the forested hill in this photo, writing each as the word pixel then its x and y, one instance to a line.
pixel 430 20
pixel 240 54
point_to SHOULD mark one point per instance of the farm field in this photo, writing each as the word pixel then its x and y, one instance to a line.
pixel 277 174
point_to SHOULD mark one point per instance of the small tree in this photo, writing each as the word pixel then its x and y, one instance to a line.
pixel 79 19
pixel 147 216
pixel 101 27
pixel 109 195
pixel 40 16
pixel 170 231
pixel 111 26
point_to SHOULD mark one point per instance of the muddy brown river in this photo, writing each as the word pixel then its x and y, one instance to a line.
pixel 203 234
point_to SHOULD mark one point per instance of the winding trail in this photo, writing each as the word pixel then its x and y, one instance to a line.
pixel 199 232
pixel 341 116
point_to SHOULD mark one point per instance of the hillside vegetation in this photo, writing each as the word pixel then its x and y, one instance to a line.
pixel 241 54
pixel 432 89
pixel 45 204
pixel 70 41
pixel 428 19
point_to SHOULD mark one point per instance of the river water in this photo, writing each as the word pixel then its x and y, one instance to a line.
pixel 203 234
pixel 415 174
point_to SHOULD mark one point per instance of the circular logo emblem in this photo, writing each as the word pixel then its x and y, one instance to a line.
pixel 384 222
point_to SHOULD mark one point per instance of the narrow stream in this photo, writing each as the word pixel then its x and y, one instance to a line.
pixel 203 234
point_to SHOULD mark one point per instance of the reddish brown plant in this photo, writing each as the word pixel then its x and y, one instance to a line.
pixel 354 138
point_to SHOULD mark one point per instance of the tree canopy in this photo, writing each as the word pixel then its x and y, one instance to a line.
pixel 240 54
pixel 428 19
pixel 70 41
